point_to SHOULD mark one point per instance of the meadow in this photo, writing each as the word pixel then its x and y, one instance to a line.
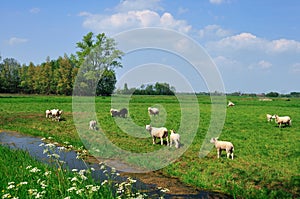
pixel 266 163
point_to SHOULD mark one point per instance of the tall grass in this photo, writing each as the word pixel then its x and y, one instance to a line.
pixel 266 163
pixel 24 177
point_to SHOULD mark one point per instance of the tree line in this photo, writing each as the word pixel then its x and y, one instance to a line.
pixel 149 89
pixel 94 62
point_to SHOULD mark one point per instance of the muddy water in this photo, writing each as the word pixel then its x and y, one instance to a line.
pixel 148 182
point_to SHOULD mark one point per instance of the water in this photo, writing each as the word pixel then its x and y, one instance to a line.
pixel 32 146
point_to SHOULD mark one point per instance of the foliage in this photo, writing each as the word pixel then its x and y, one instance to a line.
pixel 272 94
pixel 97 60
pixel 9 76
pixel 150 89
pixel 107 82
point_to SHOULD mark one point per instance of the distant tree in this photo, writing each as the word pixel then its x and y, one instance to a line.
pixel 31 78
pixel 126 88
pixel 163 89
pixel 65 76
pixel 295 94
pixel 9 76
pixel 156 89
pixel 272 94
pixel 46 78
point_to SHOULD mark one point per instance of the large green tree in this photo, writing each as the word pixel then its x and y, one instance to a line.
pixel 98 57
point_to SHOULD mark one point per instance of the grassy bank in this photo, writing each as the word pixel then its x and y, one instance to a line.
pixel 266 163
pixel 24 177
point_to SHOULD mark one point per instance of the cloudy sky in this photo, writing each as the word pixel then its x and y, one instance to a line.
pixel 255 45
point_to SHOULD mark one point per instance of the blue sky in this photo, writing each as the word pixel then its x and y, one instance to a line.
pixel 254 44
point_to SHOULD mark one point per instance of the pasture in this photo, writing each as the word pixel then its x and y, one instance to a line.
pixel 266 163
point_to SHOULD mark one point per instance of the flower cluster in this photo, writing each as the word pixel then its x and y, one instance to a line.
pixel 74 184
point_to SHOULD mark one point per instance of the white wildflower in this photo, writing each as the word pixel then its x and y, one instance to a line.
pixel 39 195
pixel 74 170
pixel 83 177
pixel 47 173
pixel 62 162
pixel 7 195
pixel 131 180
pixel 74 179
pixel 61 148
pixel 81 172
pixel 113 170
pixel 11 186
pixel 164 190
pixel 104 182
pixel 45 151
pixel 50 145
pixel 79 191
pixel 88 186
pixel 56 156
pixel 102 167
pixel 72 189
pixel 34 170
pixel 95 188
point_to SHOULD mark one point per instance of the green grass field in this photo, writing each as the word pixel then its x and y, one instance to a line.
pixel 266 163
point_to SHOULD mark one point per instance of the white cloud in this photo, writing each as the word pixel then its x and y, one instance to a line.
pixel 132 19
pixel 256 54
pixel 212 32
pixel 261 65
pixel 282 45
pixel 130 14
pixel 221 60
pixel 248 41
pixel 15 41
pixel 264 64
pixel 240 41
pixel 34 10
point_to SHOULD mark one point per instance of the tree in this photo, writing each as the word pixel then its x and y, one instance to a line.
pixel 106 84
pixel 9 76
pixel 163 89
pixel 46 78
pixel 97 56
pixel 65 76
pixel 272 94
